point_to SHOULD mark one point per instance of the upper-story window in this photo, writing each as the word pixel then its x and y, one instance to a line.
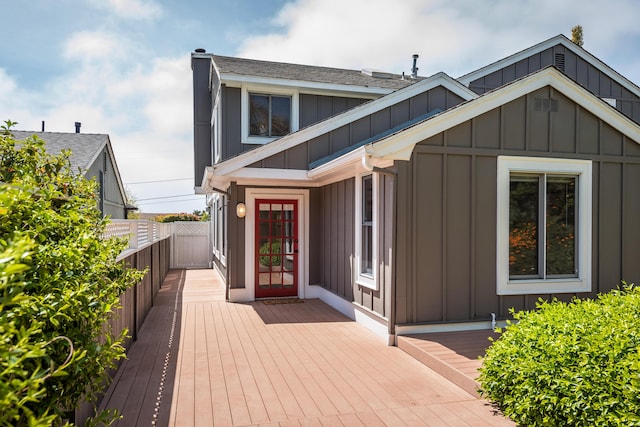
pixel 269 115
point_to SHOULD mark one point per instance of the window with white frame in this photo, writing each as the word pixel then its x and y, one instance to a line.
pixel 268 113
pixel 366 230
pixel 544 225
pixel 214 225
pixel 219 219
pixel 216 137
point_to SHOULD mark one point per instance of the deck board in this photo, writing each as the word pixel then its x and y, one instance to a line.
pixel 295 364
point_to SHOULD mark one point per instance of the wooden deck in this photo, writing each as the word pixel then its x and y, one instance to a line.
pixel 454 355
pixel 201 361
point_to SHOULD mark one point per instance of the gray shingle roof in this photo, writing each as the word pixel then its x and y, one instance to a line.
pixel 308 73
pixel 85 147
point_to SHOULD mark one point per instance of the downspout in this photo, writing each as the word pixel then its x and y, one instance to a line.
pixel 391 326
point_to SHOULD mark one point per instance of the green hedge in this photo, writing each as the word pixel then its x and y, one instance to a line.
pixel 567 364
pixel 60 284
pixel 177 217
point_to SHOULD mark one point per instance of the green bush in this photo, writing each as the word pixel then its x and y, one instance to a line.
pixel 59 284
pixel 569 364
pixel 271 248
pixel 177 217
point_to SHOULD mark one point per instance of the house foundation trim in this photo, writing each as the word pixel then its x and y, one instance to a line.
pixel 447 327
pixel 374 323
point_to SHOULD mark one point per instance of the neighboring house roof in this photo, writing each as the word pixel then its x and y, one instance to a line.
pixel 85 149
pixel 540 47
pixel 229 66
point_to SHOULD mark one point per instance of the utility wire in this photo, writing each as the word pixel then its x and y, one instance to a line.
pixel 168 201
pixel 154 182
pixel 166 197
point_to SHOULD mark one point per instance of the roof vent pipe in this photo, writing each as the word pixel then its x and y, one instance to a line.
pixel 43 126
pixel 414 69
pixel 78 124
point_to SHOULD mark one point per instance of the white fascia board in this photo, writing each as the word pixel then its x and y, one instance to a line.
pixel 560 39
pixel 269 176
pixel 236 80
pixel 344 167
pixel 349 116
pixel 400 145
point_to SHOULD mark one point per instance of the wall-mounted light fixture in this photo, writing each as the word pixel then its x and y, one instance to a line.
pixel 241 210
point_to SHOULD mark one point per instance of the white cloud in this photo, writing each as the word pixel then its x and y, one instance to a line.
pixel 132 9
pixel 89 45
pixel 454 36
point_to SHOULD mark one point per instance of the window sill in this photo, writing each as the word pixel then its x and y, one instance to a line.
pixel 258 140
pixel 552 286
pixel 367 282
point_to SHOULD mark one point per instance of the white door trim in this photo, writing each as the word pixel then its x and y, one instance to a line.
pixel 251 194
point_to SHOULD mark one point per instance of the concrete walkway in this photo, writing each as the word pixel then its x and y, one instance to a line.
pixel 201 361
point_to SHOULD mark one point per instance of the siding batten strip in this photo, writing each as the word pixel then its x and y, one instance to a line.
pixel 444 236
pixel 472 239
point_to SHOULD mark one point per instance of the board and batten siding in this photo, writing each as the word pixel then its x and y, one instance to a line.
pixel 312 108
pixel 333 262
pixel 576 68
pixel 446 268
pixel 301 156
pixel 202 107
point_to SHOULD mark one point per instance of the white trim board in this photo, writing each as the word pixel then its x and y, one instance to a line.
pixel 251 194
pixel 351 310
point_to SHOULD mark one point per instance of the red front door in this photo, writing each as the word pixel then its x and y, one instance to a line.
pixel 276 248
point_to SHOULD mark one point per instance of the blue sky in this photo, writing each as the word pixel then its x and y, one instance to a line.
pixel 122 67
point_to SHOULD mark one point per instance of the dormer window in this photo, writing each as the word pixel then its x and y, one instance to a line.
pixel 269 115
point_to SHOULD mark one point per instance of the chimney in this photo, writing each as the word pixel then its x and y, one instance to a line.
pixel 78 124
pixel 43 126
pixel 414 69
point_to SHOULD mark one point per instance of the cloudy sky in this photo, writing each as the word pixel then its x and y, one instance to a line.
pixel 122 67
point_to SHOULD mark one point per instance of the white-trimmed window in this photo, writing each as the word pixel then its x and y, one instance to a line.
pixel 544 225
pixel 366 230
pixel 268 113
pixel 216 136
pixel 219 219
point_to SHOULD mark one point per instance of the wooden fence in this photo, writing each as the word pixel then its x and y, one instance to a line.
pixel 149 248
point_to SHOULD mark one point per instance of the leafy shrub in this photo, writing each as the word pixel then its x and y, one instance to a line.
pixel 271 248
pixel 59 284
pixel 572 363
pixel 177 217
